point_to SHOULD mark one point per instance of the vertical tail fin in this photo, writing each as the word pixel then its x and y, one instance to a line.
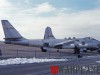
pixel 9 31
pixel 48 34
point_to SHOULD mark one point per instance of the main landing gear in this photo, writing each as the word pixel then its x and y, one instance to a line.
pixel 77 51
pixel 98 51
pixel 43 49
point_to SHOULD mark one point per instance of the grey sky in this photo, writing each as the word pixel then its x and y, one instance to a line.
pixel 30 17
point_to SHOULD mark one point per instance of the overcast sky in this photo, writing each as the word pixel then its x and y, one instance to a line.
pixel 67 18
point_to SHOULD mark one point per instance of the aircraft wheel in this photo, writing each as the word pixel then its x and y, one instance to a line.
pixel 57 50
pixel 79 56
pixel 74 51
pixel 98 51
pixel 0 53
pixel 84 50
pixel 43 50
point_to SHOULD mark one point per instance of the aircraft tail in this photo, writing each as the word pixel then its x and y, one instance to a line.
pixel 10 32
pixel 48 34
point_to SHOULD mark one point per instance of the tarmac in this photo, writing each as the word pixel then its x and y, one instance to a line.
pixel 13 51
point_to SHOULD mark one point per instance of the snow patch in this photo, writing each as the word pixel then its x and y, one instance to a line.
pixel 12 61
pixel 97 61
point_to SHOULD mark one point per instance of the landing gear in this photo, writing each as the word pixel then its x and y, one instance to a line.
pixel 57 50
pixel 0 53
pixel 79 56
pixel 74 51
pixel 43 50
pixel 77 51
pixel 85 51
pixel 98 51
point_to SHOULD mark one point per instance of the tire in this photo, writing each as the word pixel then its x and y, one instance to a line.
pixel 43 50
pixel 57 50
pixel 79 56
pixel 85 51
pixel 0 53
pixel 98 51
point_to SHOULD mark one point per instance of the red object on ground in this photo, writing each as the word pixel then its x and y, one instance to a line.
pixel 54 69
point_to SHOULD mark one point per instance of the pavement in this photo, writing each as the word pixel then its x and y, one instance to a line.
pixel 44 68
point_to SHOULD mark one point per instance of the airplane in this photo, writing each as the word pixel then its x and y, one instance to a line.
pixel 84 44
pixel 92 44
pixel 12 36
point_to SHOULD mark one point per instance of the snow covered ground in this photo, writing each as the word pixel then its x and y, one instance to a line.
pixel 98 61
pixel 13 61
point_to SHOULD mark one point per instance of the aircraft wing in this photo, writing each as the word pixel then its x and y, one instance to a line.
pixel 59 45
